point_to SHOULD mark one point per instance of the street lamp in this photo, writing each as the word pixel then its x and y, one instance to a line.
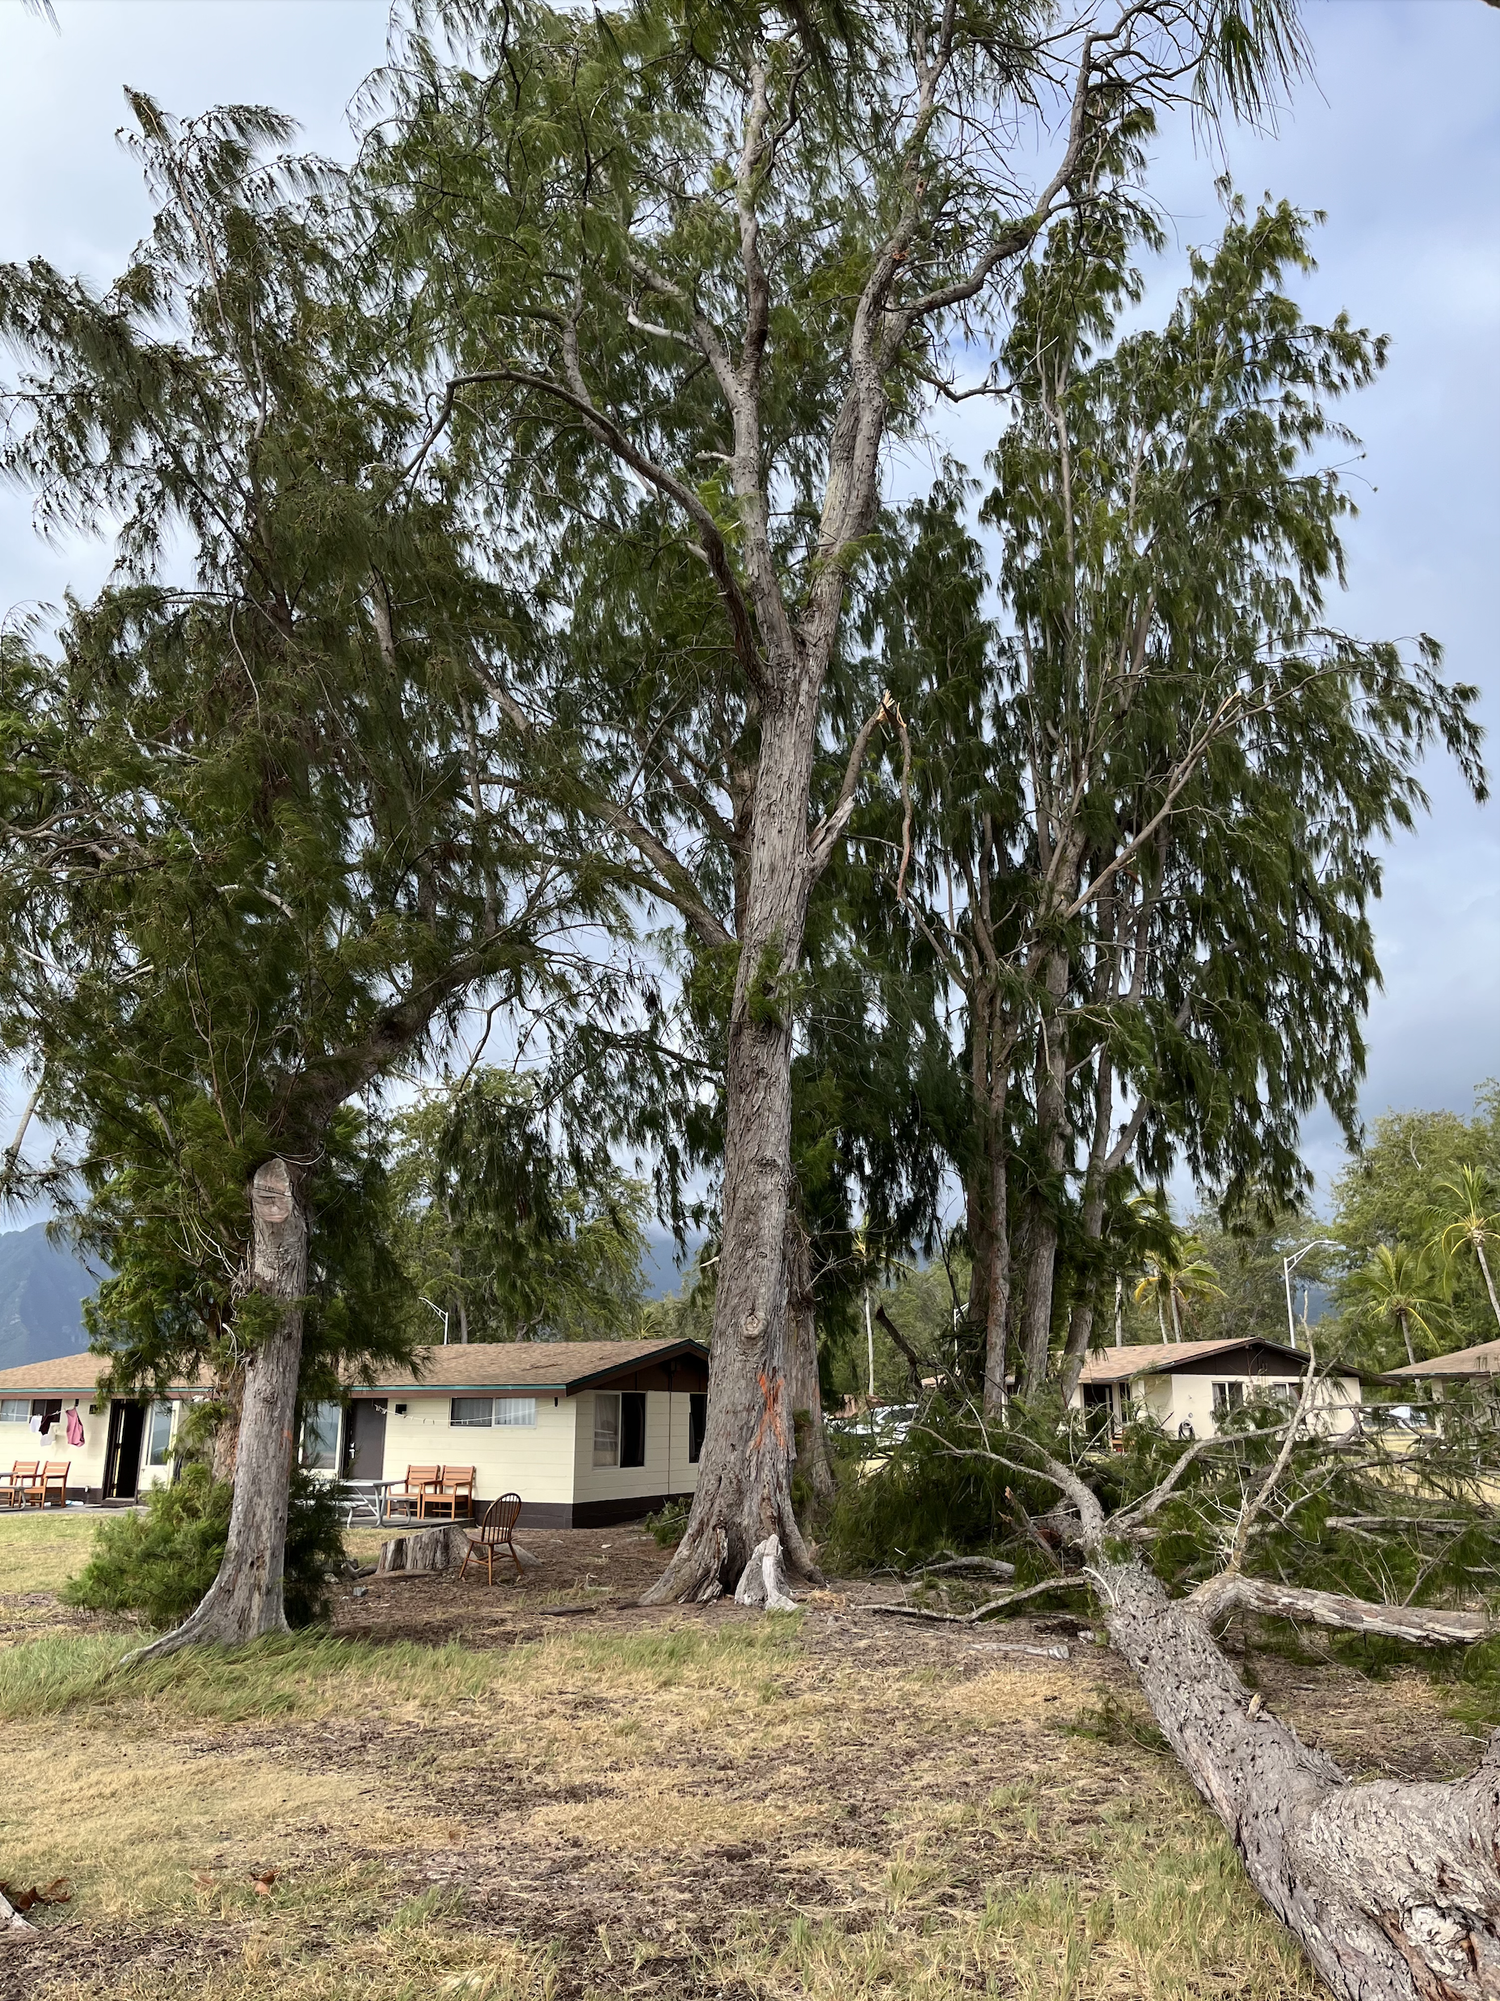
pixel 1289 1265
pixel 444 1318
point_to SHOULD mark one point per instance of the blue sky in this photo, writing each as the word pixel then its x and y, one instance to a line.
pixel 1398 139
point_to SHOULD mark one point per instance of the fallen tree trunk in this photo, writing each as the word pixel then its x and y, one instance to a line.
pixel 1392 1889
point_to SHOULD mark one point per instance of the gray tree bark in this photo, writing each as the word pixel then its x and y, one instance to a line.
pixel 804 1390
pixel 744 1491
pixel 245 1600
pixel 1391 1889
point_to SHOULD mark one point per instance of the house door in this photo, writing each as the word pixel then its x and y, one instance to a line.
pixel 122 1458
pixel 364 1440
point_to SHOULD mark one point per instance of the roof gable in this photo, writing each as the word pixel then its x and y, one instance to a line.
pixel 1250 1355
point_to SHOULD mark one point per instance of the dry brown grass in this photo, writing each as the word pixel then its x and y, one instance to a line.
pixel 621 1804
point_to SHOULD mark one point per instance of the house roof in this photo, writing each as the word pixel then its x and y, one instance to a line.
pixel 1158 1358
pixel 1483 1360
pixel 488 1368
pixel 68 1376
pixel 492 1367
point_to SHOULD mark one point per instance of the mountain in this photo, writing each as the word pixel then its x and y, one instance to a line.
pixel 42 1291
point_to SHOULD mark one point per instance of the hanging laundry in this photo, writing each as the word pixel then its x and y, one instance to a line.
pixel 47 1422
pixel 38 1423
pixel 74 1427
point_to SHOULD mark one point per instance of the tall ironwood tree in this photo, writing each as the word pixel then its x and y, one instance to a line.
pixel 261 839
pixel 1150 783
pixel 677 278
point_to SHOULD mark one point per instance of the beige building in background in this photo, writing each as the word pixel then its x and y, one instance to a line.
pixel 1189 1387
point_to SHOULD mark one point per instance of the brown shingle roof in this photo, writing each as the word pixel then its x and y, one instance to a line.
pixel 68 1375
pixel 1146 1358
pixel 560 1366
pixel 1483 1360
pixel 485 1366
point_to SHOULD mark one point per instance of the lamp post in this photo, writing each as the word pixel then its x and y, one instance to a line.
pixel 444 1318
pixel 1289 1265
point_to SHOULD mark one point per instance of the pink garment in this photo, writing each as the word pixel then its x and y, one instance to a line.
pixel 75 1428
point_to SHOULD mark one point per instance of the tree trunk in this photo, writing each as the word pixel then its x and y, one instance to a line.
pixel 226 1445
pixel 245 1599
pixel 804 1390
pixel 744 1489
pixel 1489 1283
pixel 1401 1315
pixel 1054 1132
pixel 1391 1889
pixel 1081 1321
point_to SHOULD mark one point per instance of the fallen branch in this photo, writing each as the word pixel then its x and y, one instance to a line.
pixel 1420 1625
pixel 965 1566
pixel 985 1611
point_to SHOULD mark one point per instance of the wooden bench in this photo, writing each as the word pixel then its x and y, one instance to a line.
pixel 441 1502
pixel 16 1482
pixel 496 1531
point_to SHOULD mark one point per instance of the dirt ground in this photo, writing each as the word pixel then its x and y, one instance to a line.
pixel 584 1799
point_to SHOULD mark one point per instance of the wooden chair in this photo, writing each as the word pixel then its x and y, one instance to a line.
pixel 407 1501
pixel 455 1484
pixel 55 1483
pixel 496 1531
pixel 16 1482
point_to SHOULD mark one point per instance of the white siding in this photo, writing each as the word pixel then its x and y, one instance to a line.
pixel 535 1462
pixel 86 1461
pixel 667 1469
pixel 1173 1400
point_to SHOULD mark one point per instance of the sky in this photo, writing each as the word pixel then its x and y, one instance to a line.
pixel 1397 138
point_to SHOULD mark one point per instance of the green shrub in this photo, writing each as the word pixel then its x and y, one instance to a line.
pixel 160 1561
pixel 669 1524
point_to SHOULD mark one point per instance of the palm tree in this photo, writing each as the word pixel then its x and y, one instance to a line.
pixel 1175 1275
pixel 1473 1223
pixel 1404 1287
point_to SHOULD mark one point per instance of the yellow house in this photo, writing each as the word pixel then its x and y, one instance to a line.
pixel 127 1444
pixel 1190 1387
pixel 586 1432
pixel 1466 1364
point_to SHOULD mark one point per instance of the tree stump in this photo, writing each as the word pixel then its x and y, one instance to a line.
pixel 443 1546
pixel 764 1581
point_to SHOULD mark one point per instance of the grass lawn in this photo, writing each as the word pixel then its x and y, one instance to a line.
pixel 544 1794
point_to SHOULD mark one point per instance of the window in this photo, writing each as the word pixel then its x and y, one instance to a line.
pixel 159 1435
pixel 633 1428
pixel 14 1410
pixel 606 1428
pixel 482 1412
pixel 320 1437
pixel 697 1424
pixel 1228 1397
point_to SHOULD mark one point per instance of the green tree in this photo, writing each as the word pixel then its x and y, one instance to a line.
pixel 1403 1289
pixel 1469 1222
pixel 512 1242
pixel 1176 1277
pixel 1389 1193
pixel 679 277
pixel 263 839
pixel 1147 819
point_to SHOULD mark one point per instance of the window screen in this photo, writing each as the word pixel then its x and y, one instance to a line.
pixel 1228 1397
pixel 633 1428
pixel 159 1435
pixel 515 1410
pixel 697 1425
pixel 606 1428
pixel 320 1437
pixel 14 1410
pixel 478 1411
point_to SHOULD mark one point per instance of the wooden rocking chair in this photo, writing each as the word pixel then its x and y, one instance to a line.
pixel 495 1531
